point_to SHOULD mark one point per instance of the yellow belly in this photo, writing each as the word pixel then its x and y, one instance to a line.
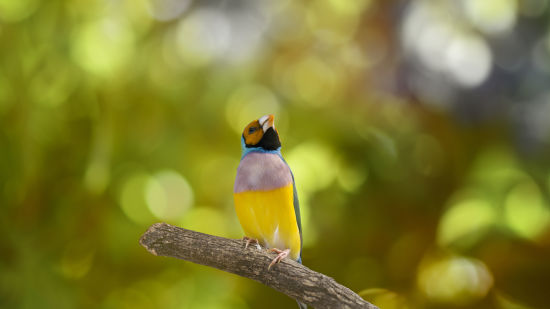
pixel 269 217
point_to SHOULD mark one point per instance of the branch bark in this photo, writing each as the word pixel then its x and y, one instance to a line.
pixel 288 277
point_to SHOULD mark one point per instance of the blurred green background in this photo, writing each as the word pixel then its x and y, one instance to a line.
pixel 418 133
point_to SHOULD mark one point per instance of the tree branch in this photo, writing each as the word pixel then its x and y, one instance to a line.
pixel 288 277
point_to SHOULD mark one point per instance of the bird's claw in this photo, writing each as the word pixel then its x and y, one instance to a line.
pixel 249 241
pixel 281 254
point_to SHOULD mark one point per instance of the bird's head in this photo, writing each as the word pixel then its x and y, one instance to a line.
pixel 260 135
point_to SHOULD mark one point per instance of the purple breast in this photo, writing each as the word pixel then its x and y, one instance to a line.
pixel 262 172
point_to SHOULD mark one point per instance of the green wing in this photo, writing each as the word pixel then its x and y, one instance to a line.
pixel 297 213
pixel 296 208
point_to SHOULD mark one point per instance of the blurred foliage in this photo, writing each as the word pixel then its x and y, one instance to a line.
pixel 418 134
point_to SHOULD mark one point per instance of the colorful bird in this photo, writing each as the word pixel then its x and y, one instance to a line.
pixel 265 193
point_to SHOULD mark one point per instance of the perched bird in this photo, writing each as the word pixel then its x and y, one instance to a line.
pixel 265 193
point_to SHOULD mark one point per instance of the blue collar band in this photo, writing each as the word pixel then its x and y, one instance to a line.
pixel 247 150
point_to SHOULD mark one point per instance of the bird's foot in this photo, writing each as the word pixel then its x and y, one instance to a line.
pixel 249 241
pixel 281 254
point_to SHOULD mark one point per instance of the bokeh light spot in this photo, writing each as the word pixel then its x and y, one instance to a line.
pixel 165 10
pixel 492 16
pixel 469 60
pixel 206 220
pixel 17 10
pixel 526 213
pixel 168 195
pixel 431 45
pixel 104 46
pixel 203 36
pixel 250 102
pixel 383 298
pixel 351 178
pixel 471 217
pixel 305 216
pixel 313 164
pixel 454 280
pixel 496 168
pixel 334 21
pixel 132 199
pixel 350 7
pixel 315 167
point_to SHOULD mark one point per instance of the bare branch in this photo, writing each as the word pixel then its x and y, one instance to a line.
pixel 288 277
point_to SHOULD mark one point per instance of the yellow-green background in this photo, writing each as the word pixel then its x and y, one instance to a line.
pixel 417 132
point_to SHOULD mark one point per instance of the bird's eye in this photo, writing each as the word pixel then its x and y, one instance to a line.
pixel 252 130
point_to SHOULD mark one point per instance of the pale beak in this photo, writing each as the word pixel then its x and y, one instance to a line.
pixel 267 121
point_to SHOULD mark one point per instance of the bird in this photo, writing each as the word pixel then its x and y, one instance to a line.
pixel 265 196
